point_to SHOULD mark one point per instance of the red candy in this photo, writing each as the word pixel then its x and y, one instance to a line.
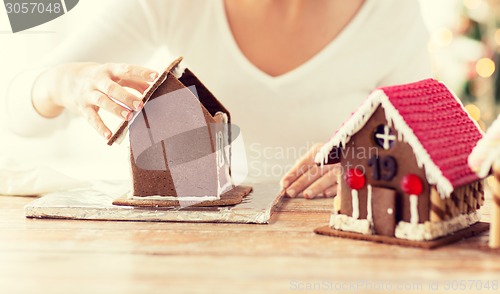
pixel 411 184
pixel 355 178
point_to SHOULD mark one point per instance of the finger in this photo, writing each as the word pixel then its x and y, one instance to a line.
pixel 293 174
pixel 129 71
pixel 320 185
pixel 334 169
pixel 314 173
pixel 96 122
pixel 300 167
pixel 331 191
pixel 118 93
pixel 138 85
pixel 103 101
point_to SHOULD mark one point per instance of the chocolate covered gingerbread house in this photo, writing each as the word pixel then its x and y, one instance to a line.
pixel 404 175
pixel 180 145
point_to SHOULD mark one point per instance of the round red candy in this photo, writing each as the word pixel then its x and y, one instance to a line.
pixel 355 178
pixel 411 184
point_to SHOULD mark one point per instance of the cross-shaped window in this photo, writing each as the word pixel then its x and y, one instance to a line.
pixel 384 137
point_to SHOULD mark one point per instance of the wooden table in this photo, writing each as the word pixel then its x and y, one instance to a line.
pixel 67 256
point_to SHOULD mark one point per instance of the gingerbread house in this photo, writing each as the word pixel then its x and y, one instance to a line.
pixel 180 145
pixel 485 160
pixel 404 176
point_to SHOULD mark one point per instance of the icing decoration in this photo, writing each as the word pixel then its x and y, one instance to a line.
pixel 384 137
pixel 433 230
pixel 411 184
pixel 369 215
pixel 383 169
pixel 486 154
pixel 389 168
pixel 178 198
pixel 486 158
pixel 374 163
pixel 495 220
pixel 222 152
pixel 346 223
pixel 337 201
pixel 355 204
pixel 421 113
pixel 178 71
pixel 414 209
pixel 356 180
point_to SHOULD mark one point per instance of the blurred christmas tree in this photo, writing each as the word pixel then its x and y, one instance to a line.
pixel 464 45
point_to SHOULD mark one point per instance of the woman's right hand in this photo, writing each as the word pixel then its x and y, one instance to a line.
pixel 84 88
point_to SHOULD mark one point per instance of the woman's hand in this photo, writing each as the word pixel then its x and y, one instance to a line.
pixel 84 88
pixel 310 179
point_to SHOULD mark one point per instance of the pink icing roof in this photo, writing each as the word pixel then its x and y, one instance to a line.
pixel 441 124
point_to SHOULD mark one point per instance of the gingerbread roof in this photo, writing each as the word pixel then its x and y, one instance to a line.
pixel 123 128
pixel 431 119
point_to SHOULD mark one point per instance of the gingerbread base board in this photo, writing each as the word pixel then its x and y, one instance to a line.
pixel 471 231
pixel 231 197
pixel 94 203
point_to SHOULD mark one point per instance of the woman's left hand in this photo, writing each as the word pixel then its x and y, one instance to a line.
pixel 309 179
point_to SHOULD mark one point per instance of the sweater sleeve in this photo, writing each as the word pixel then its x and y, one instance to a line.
pixel 22 118
pixel 122 31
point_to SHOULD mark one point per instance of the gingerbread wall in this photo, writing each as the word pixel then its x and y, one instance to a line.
pixel 354 156
pixel 172 151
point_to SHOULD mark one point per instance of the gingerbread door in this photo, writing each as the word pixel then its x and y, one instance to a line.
pixel 383 202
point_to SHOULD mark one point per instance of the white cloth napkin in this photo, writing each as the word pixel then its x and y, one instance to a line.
pixel 24 180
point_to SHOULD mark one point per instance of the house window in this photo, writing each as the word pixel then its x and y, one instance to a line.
pixel 384 137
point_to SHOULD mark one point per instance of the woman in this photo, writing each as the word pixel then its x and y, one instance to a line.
pixel 290 71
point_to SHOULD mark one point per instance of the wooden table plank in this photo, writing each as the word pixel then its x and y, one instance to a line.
pixel 70 256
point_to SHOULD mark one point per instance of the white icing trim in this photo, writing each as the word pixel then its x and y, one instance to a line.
pixel 229 183
pixel 386 137
pixel 414 209
pixel 369 216
pixel 355 204
pixel 346 223
pixel 178 71
pixel 433 230
pixel 358 120
pixel 491 157
pixel 486 153
pixel 183 198
pixel 465 110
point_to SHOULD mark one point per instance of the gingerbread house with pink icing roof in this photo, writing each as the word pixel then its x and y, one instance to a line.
pixel 404 172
